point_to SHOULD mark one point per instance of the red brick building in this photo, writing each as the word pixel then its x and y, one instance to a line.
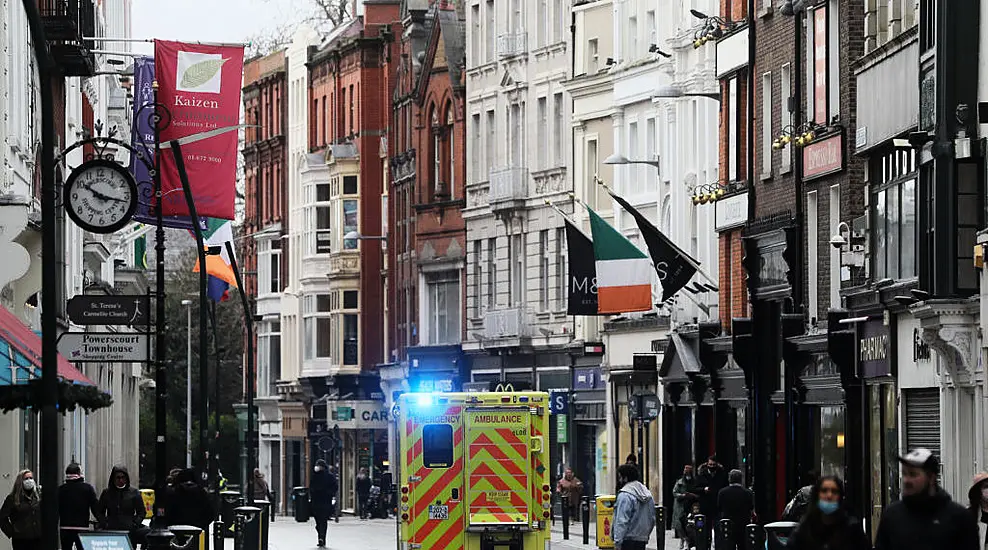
pixel 428 146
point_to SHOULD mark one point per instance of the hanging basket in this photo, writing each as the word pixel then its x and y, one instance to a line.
pixel 70 396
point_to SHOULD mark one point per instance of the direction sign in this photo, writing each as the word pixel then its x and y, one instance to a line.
pixel 98 347
pixel 108 310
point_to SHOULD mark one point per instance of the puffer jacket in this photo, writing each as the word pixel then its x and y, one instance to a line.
pixel 934 523
pixel 121 509
pixel 634 514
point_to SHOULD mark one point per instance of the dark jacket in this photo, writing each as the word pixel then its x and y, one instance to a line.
pixel 189 504
pixel 121 509
pixel 363 486
pixel 714 480
pixel 796 508
pixel 322 489
pixel 736 502
pixel 76 499
pixel 21 520
pixel 934 523
pixel 845 534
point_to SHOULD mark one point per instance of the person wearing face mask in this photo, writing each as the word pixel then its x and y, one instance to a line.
pixel 826 524
pixel 926 518
pixel 683 497
pixel 20 515
pixel 122 508
pixel 978 506
pixel 322 489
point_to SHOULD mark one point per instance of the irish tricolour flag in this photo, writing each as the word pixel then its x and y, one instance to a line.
pixel 624 273
pixel 218 232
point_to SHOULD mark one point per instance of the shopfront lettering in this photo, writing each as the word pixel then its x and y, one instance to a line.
pixel 823 157
pixel 374 416
pixel 875 348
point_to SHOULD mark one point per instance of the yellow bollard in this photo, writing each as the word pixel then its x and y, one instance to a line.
pixel 148 496
pixel 605 520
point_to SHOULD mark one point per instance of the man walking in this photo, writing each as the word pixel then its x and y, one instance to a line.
pixel 736 502
pixel 709 481
pixel 363 487
pixel 570 489
pixel 926 518
pixel 76 499
pixel 634 511
pixel 322 489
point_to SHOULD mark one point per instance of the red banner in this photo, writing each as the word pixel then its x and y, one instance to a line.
pixel 200 86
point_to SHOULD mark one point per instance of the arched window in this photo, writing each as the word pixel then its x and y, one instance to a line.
pixel 437 152
pixel 450 148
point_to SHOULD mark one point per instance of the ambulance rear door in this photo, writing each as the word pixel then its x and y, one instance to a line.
pixel 435 477
pixel 498 466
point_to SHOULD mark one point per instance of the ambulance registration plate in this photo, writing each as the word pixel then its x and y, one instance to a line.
pixel 438 512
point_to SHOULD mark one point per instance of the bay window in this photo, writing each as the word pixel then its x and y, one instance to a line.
pixel 269 266
pixel 318 219
pixel 349 223
pixel 316 325
pixel 268 358
pixel 893 215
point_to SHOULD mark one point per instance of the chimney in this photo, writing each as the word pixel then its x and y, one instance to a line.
pixel 353 9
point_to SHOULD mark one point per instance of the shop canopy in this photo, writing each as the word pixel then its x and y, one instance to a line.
pixel 20 355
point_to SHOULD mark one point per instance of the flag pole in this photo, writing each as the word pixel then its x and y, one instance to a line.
pixel 689 259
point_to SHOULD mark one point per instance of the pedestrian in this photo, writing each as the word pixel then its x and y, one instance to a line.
pixel 322 489
pixel 736 503
pixel 632 459
pixel 363 487
pixel 710 479
pixel 570 489
pixel 261 488
pixel 122 508
pixel 826 524
pixel 978 506
pixel 926 518
pixel 683 498
pixel 20 515
pixel 800 502
pixel 76 499
pixel 634 511
pixel 188 503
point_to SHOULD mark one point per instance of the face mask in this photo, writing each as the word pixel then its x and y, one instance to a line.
pixel 828 507
pixel 121 485
pixel 28 485
pixel 318 468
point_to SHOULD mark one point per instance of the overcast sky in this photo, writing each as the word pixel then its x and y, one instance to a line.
pixel 209 20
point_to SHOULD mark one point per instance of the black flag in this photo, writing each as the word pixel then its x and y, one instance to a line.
pixel 582 273
pixel 674 267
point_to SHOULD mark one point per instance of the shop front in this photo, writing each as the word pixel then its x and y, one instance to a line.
pixel 362 427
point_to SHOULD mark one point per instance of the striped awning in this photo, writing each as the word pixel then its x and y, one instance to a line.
pixel 20 355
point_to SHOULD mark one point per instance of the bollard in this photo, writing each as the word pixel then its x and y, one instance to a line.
pixel 698 529
pixel 244 536
pixel 755 537
pixel 186 537
pixel 725 535
pixel 585 518
pixel 777 534
pixel 218 539
pixel 565 506
pixel 660 523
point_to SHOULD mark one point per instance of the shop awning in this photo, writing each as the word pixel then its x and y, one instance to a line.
pixel 20 355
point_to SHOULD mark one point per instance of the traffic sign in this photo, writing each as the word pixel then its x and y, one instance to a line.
pixel 98 347
pixel 558 401
pixel 108 310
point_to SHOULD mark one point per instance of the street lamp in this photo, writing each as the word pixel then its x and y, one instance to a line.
pixel 618 158
pixel 355 236
pixel 667 92
pixel 188 383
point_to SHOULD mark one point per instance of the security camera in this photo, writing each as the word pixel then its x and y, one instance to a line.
pixel 919 139
pixel 838 241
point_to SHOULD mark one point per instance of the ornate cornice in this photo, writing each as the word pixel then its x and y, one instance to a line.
pixel 950 328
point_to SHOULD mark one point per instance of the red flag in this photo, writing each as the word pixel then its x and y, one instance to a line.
pixel 200 87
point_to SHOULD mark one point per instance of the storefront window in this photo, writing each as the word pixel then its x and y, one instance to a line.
pixel 832 434
pixel 893 214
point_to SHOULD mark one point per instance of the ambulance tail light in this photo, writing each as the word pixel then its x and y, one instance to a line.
pixel 404 517
pixel 545 514
pixel 404 490
pixel 546 488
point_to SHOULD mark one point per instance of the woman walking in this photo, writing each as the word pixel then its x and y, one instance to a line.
pixel 826 524
pixel 20 515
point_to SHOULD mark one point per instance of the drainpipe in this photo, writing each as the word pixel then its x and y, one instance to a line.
pixel 750 145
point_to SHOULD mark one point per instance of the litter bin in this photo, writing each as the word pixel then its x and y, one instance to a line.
pixel 605 520
pixel 147 495
pixel 777 534
pixel 263 522
pixel 187 537
pixel 300 503
pixel 229 501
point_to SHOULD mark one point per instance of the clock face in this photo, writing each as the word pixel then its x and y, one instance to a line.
pixel 100 196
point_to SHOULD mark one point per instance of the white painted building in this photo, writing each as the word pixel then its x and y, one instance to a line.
pixel 91 263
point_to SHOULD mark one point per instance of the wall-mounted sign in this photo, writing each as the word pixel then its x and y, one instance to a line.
pixel 823 157
pixel 820 87
pixel 732 52
pixel 731 212
pixel 558 402
pixel 100 347
pixel 108 310
pixel 360 415
pixel 873 349
pixel 587 378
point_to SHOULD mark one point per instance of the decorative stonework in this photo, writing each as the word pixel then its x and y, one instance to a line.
pixel 949 327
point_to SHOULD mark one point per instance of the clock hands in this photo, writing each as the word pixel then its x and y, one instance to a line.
pixel 103 197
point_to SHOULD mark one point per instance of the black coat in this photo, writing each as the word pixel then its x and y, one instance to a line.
pixel 736 502
pixel 21 520
pixel 76 499
pixel 189 504
pixel 934 524
pixel 363 486
pixel 714 480
pixel 846 534
pixel 322 489
pixel 121 509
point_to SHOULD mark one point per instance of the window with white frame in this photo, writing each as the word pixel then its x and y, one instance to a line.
pixel 651 29
pixel 476 162
pixel 491 141
pixel 350 223
pixel 351 328
pixel 319 223
pixel 443 308
pixel 450 137
pixel 517 258
pixel 317 331
pixel 269 266
pixel 651 153
pixel 593 56
pixel 543 133
pixel 491 272
pixel 544 270
pixel 591 175
pixel 475 23
pixel 634 184
pixel 544 19
pixel 478 274
pixel 560 268
pixel 767 136
pixel 268 358
pixel 784 98
pixel 561 14
pixel 732 130
pixel 632 35
pixel 559 134
pixel 490 30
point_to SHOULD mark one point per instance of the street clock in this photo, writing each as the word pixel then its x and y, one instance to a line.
pixel 100 196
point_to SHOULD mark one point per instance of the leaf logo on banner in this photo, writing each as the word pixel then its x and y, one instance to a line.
pixel 200 73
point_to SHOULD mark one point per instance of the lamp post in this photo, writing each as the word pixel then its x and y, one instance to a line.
pixel 673 92
pixel 188 383
pixel 618 158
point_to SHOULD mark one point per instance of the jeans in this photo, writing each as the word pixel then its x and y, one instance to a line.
pixel 321 524
pixel 633 545
pixel 362 506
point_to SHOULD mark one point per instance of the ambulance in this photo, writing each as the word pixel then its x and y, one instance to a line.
pixel 474 471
